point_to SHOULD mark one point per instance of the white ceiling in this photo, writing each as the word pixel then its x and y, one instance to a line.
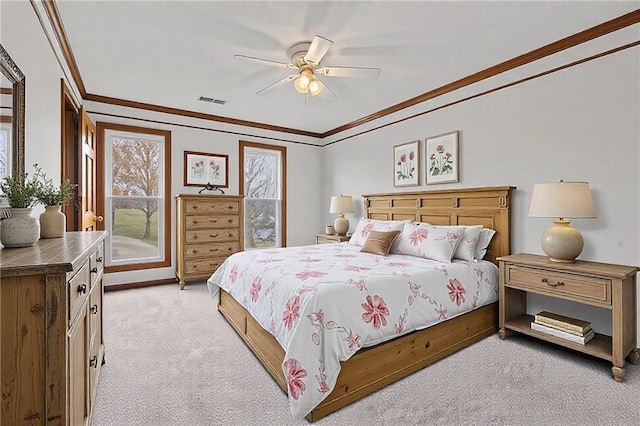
pixel 169 53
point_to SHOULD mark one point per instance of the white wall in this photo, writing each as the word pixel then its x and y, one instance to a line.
pixel 578 124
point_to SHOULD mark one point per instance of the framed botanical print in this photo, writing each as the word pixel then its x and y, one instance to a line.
pixel 442 158
pixel 201 168
pixel 406 164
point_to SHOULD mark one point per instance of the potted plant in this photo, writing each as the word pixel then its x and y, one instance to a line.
pixel 53 220
pixel 20 229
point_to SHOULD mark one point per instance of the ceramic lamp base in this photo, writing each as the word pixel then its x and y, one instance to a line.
pixel 341 225
pixel 561 242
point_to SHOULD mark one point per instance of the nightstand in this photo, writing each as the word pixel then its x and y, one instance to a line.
pixel 329 238
pixel 612 287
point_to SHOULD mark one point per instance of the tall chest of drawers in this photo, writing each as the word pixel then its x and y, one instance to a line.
pixel 52 341
pixel 209 230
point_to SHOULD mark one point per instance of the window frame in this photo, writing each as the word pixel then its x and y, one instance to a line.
pixel 101 130
pixel 283 182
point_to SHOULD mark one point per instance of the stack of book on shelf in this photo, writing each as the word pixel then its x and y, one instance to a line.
pixel 568 328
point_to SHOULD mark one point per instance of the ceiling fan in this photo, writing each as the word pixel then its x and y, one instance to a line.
pixel 305 60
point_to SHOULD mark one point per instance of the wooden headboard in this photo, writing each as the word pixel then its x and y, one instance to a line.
pixel 487 206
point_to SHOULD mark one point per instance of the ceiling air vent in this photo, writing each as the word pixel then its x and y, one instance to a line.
pixel 212 100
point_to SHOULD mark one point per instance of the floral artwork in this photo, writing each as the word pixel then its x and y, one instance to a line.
pixel 406 159
pixel 201 168
pixel 442 158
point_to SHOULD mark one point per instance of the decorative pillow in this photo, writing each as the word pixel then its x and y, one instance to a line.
pixel 431 242
pixel 367 225
pixel 379 242
pixel 486 234
pixel 467 248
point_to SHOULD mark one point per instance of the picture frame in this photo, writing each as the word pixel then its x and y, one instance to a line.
pixel 406 164
pixel 442 158
pixel 202 168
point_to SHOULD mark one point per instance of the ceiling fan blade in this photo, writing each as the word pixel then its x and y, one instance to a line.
pixel 265 61
pixel 326 94
pixel 276 84
pixel 356 72
pixel 317 50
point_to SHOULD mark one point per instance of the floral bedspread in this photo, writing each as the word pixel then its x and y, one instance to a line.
pixel 325 302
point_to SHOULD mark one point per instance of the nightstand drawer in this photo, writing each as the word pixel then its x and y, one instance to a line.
pixel 331 238
pixel 559 284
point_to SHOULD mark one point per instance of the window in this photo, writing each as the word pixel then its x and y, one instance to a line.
pixel 263 183
pixel 136 198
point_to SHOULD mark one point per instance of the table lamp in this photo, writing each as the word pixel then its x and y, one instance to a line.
pixel 341 204
pixel 562 200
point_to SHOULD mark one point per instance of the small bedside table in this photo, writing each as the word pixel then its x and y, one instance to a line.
pixel 328 238
pixel 612 287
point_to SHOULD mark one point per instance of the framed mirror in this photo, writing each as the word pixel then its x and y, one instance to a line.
pixel 11 117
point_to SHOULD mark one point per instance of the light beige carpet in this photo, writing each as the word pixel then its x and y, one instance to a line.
pixel 172 359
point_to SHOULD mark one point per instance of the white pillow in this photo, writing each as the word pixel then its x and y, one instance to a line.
pixel 467 248
pixel 486 234
pixel 431 242
pixel 365 226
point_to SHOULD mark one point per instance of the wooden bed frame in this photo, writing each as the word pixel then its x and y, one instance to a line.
pixel 373 368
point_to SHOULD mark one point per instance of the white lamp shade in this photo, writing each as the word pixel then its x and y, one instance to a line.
pixel 341 204
pixel 562 200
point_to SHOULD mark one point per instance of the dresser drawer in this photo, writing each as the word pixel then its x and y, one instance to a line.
pixel 203 266
pixel 78 290
pixel 559 284
pixel 199 221
pixel 211 206
pixel 211 235
pixel 192 251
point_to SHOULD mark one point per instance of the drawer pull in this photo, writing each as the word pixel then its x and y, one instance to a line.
pixel 94 309
pixel 93 362
pixel 213 235
pixel 213 249
pixel 82 288
pixel 195 207
pixel 557 283
pixel 94 270
pixel 230 207
pixel 213 221
pixel 99 260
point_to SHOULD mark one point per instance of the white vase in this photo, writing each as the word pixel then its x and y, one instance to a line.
pixel 19 230
pixel 53 223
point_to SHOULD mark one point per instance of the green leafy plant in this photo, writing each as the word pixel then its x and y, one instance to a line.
pixel 21 192
pixel 51 195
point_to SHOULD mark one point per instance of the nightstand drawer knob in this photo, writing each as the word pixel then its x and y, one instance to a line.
pixel 557 283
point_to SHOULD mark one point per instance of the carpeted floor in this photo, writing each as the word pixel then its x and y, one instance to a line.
pixel 172 359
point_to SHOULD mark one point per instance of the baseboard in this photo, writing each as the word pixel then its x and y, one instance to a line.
pixel 129 286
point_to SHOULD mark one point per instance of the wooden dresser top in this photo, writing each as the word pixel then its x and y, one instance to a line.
pixel 52 255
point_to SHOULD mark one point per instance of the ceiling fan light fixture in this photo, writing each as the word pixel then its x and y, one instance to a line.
pixel 315 87
pixel 299 86
pixel 306 75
